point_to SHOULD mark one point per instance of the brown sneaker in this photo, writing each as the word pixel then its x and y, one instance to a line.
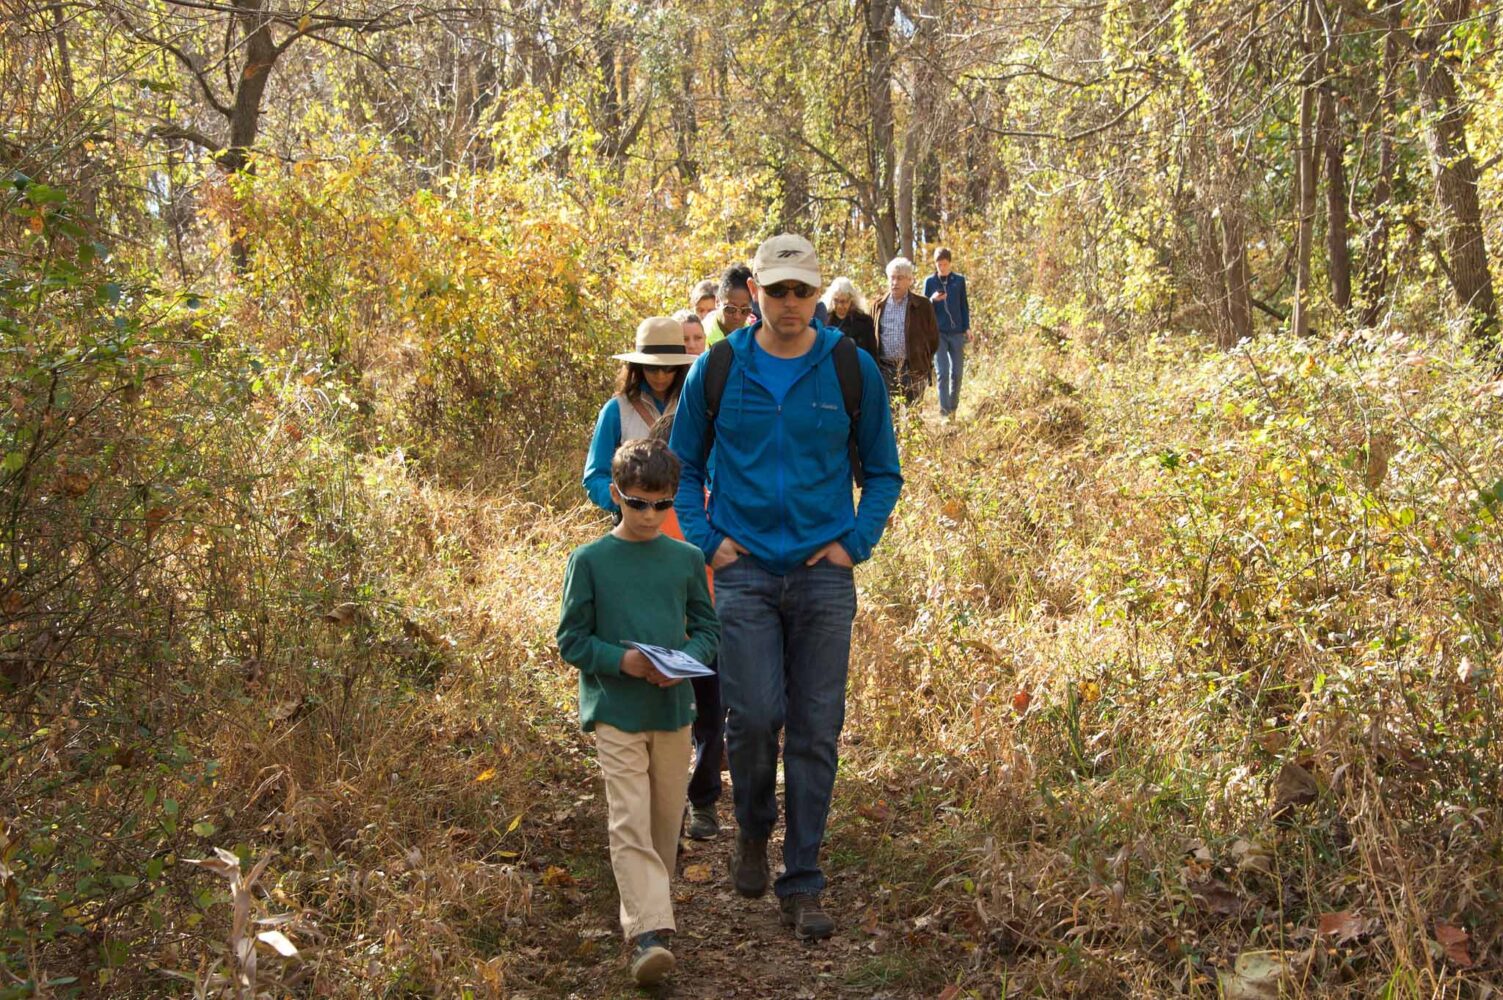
pixel 809 921
pixel 749 866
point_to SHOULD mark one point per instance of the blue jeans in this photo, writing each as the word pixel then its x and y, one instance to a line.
pixel 949 363
pixel 785 647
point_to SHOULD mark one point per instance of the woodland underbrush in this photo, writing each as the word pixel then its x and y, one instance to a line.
pixel 1193 655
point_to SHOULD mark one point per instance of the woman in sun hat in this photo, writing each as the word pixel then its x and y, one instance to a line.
pixel 647 388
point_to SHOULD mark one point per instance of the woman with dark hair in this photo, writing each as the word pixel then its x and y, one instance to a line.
pixel 646 389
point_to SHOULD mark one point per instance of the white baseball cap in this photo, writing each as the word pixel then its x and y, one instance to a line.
pixel 786 258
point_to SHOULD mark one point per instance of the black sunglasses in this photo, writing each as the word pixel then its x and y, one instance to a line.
pixel 637 503
pixel 798 288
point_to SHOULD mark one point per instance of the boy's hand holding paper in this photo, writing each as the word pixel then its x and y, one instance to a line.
pixel 671 663
pixel 636 664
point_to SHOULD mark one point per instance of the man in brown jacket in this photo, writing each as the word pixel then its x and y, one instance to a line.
pixel 907 333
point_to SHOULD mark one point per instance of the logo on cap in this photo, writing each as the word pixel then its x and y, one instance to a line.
pixel 788 253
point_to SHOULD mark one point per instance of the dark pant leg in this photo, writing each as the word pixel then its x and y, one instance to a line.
pixel 748 600
pixel 818 606
pixel 709 742
pixel 891 374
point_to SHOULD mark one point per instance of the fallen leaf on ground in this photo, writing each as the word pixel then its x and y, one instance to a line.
pixel 1257 975
pixel 1342 926
pixel 698 874
pixel 1454 940
pixel 877 811
pixel 554 875
pixel 1020 702
pixel 1294 786
pixel 1251 856
pixel 279 942
pixel 1218 898
pixel 342 614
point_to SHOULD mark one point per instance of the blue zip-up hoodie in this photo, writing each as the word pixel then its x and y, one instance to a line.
pixel 781 483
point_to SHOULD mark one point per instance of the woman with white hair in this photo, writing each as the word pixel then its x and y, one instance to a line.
pixel 907 333
pixel 848 314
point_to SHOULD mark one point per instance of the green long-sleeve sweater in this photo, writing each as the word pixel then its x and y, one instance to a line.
pixel 617 591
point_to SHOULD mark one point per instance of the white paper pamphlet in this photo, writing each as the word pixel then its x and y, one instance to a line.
pixel 672 663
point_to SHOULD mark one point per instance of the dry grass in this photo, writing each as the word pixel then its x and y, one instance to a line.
pixel 1099 628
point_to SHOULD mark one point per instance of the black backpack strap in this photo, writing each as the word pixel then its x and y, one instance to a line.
pixel 848 370
pixel 717 373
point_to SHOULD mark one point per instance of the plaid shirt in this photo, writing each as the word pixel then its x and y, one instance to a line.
pixel 894 331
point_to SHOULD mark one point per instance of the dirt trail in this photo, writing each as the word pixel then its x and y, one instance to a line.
pixel 727 947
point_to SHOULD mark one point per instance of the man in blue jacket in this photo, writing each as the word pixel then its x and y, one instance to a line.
pixel 783 532
pixel 946 289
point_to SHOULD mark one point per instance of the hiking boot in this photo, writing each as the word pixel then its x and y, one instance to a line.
pixel 809 921
pixel 749 866
pixel 703 823
pixel 651 961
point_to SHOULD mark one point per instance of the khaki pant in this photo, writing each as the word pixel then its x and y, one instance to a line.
pixel 646 778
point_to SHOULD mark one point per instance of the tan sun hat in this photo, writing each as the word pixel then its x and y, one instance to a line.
pixel 660 341
pixel 786 258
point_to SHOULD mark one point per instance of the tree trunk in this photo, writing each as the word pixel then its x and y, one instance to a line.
pixel 919 135
pixel 926 197
pixel 1234 271
pixel 1305 162
pixel 685 118
pixel 906 169
pixel 1226 243
pixel 245 114
pixel 1338 257
pixel 1455 174
pixel 881 143
pixel 1380 225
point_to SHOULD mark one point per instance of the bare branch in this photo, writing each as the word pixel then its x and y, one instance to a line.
pixel 185 133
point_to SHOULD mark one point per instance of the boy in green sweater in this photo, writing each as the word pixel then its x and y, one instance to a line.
pixel 638 585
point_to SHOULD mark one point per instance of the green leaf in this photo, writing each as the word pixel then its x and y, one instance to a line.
pixel 41 194
pixel 12 462
pixel 204 828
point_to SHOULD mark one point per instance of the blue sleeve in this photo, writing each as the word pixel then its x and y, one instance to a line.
pixel 688 443
pixel 965 305
pixel 878 446
pixel 597 469
pixel 931 285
